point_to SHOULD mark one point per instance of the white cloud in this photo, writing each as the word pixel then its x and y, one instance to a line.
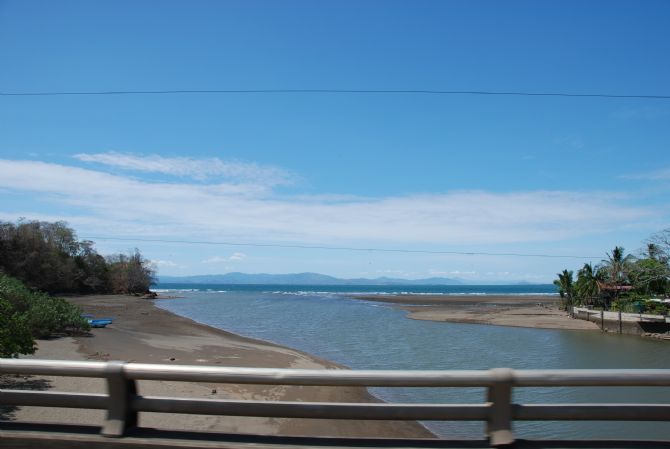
pixel 225 259
pixel 215 259
pixel 164 263
pixel 122 206
pixel 394 273
pixel 187 167
pixel 452 273
pixel 237 256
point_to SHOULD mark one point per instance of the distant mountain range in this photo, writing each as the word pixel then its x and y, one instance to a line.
pixel 299 279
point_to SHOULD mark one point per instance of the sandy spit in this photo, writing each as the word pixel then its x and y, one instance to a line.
pixel 141 332
pixel 535 311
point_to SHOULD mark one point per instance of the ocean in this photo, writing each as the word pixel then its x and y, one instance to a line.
pixel 524 289
pixel 327 322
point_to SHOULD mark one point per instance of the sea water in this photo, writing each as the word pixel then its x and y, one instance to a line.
pixel 369 335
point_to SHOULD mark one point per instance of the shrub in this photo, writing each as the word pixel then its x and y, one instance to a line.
pixel 25 315
pixel 15 337
pixel 655 308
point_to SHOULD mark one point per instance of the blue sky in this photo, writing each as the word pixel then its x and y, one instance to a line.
pixel 495 174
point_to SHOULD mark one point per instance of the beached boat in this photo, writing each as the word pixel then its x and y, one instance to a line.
pixel 102 322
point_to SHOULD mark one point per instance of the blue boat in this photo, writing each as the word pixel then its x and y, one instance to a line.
pixel 102 322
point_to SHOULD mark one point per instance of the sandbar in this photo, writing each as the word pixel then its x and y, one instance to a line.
pixel 142 332
pixel 534 311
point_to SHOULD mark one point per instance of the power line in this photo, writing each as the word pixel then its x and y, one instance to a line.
pixel 335 91
pixel 339 248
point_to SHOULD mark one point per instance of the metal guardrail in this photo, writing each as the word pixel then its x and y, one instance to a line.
pixel 123 403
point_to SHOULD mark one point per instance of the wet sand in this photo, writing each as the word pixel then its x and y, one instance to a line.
pixel 144 333
pixel 536 311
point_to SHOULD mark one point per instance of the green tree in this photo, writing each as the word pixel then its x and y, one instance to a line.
pixel 565 288
pixel 26 315
pixel 40 254
pixel 130 273
pixel 93 272
pixel 587 286
pixel 616 271
pixel 650 275
pixel 654 251
pixel 15 336
pixel 48 257
pixel 616 266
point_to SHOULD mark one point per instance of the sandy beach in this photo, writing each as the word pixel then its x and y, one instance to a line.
pixel 142 332
pixel 536 311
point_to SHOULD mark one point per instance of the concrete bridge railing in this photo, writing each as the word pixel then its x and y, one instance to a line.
pixel 122 402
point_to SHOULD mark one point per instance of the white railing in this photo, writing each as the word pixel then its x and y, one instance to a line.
pixel 624 316
pixel 123 403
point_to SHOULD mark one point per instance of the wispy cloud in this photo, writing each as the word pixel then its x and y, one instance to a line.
pixel 186 167
pixel 451 273
pixel 655 175
pixel 237 256
pixel 164 263
pixel 125 206
pixel 215 259
pixel 394 273
pixel 225 259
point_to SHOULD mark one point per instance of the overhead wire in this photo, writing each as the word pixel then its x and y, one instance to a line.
pixel 339 248
pixel 338 91
pixel 335 91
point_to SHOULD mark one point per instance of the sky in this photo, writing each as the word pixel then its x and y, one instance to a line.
pixel 320 182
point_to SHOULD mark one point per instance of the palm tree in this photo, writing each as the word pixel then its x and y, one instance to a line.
pixel 587 287
pixel 565 287
pixel 614 265
pixel 617 268
pixel 653 251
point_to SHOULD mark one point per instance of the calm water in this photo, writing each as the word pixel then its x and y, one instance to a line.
pixel 368 335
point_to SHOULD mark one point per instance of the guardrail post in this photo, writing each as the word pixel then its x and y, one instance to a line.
pixel 120 416
pixel 499 424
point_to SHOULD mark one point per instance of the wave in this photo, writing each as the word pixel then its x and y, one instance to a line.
pixel 302 293
pixel 352 290
pixel 450 293
pixel 175 290
pixel 187 290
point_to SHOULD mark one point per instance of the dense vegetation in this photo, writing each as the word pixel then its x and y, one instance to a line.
pixel 26 315
pixel 623 282
pixel 37 257
pixel 48 257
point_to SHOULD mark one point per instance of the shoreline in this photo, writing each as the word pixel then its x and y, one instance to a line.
pixel 143 332
pixel 529 311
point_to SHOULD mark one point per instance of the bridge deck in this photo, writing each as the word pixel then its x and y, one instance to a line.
pixel 50 436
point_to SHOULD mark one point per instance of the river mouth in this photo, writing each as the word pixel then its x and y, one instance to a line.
pixel 373 335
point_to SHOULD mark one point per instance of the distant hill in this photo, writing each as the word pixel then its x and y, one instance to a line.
pixel 299 279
